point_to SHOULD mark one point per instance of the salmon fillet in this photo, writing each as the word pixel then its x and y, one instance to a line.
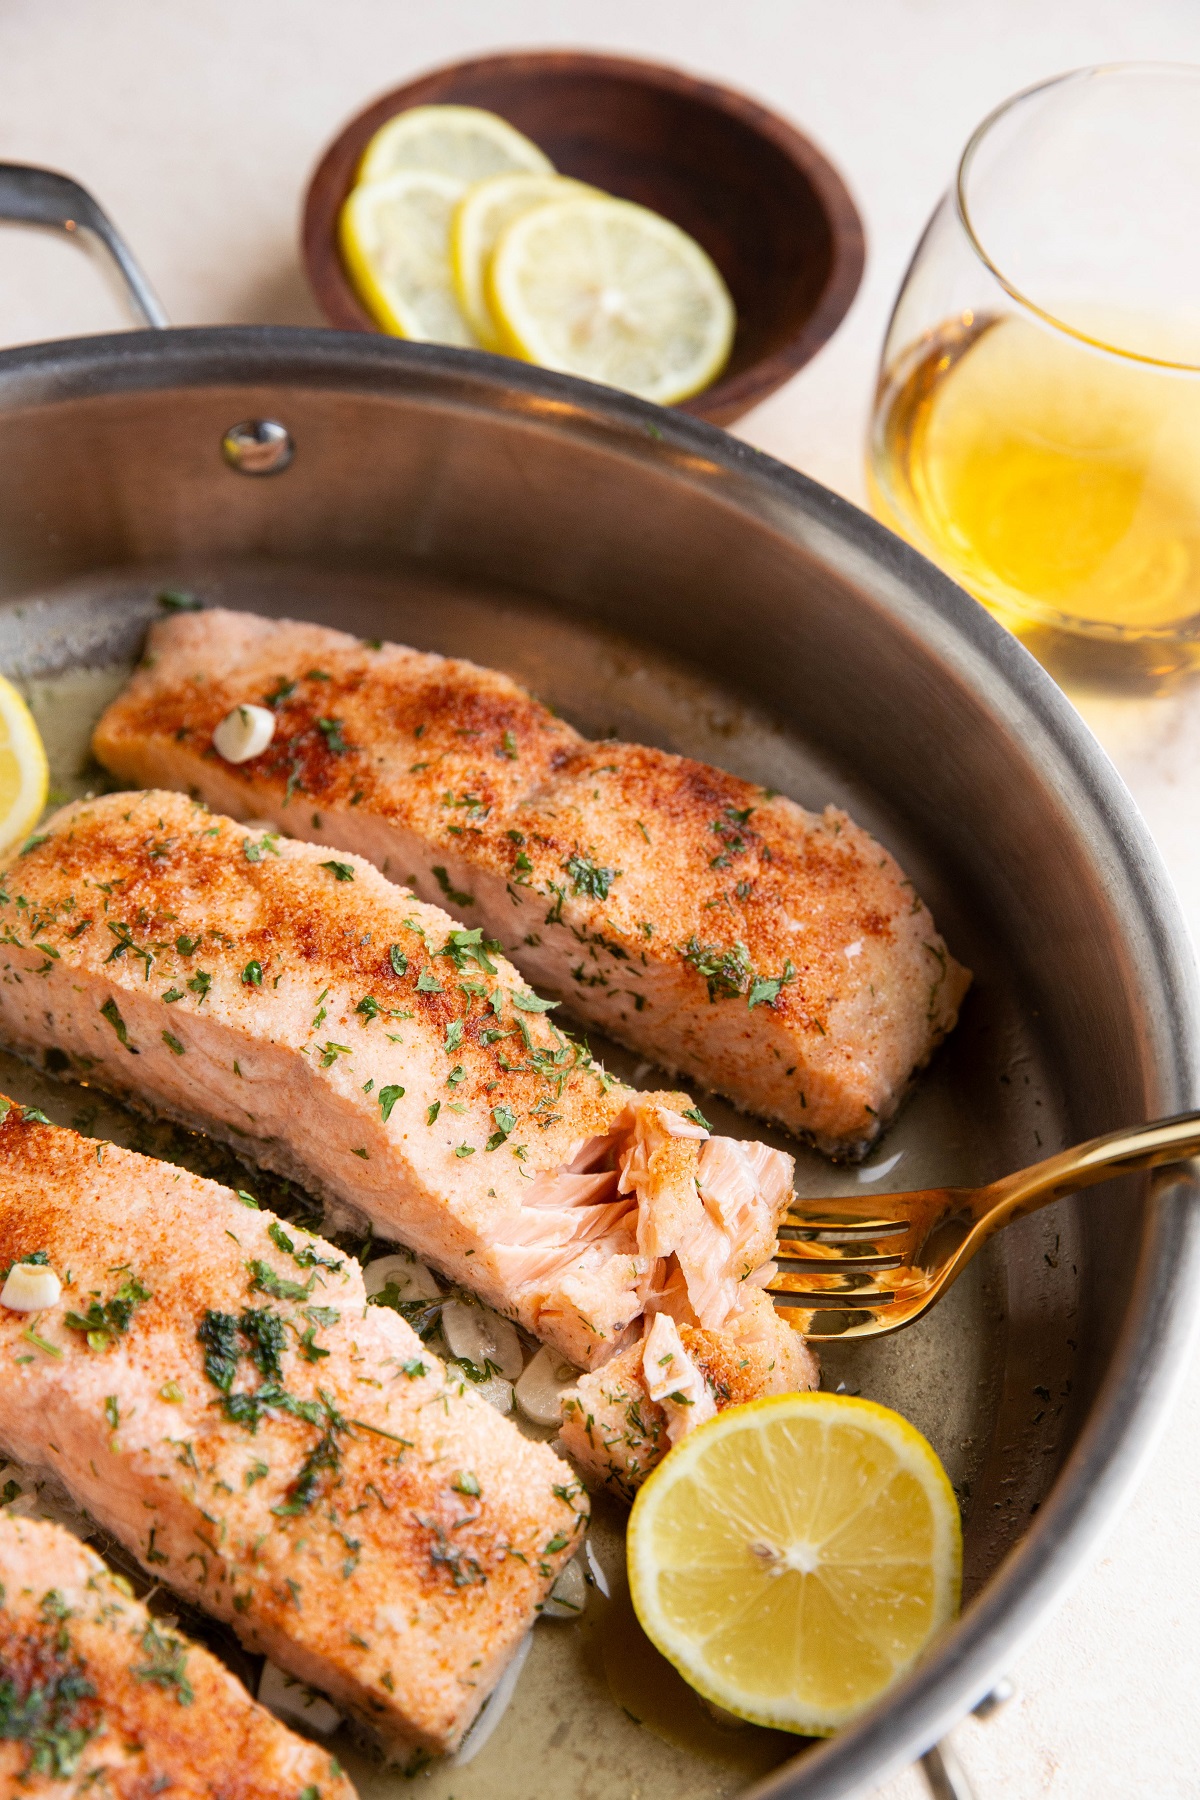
pixel 777 956
pixel 319 1018
pixel 96 1696
pixel 214 1390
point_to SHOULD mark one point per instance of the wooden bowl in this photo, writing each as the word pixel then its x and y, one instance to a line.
pixel 770 210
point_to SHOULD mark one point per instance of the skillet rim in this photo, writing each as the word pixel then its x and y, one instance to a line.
pixel 1130 1409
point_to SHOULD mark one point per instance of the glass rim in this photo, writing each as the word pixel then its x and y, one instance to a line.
pixel 973 144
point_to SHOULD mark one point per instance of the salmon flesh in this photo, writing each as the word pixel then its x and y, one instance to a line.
pixel 213 1388
pixel 316 1016
pixel 99 1697
pixel 777 956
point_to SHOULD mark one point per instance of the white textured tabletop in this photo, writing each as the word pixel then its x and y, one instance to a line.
pixel 196 123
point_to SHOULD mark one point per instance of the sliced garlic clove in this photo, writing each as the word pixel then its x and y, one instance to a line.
pixel 478 1335
pixel 30 1288
pixel 243 733
pixel 542 1386
pixel 289 1699
pixel 412 1280
pixel 568 1597
pixel 494 1707
pixel 497 1392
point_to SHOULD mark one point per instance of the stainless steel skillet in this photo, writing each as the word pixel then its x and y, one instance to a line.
pixel 651 575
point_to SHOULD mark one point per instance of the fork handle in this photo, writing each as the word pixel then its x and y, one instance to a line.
pixel 1100 1159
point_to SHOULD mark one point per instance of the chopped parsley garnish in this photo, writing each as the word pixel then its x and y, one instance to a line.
pixel 588 877
pixel 331 731
pixel 200 984
pixel 55 1716
pixel 331 1051
pixel 387 1098
pixel 463 947
pixel 218 1333
pixel 177 600
pixel 765 990
pixel 267 1281
pixel 166 1662
pixel 254 849
pixel 506 1122
pixel 467 1483
pixel 105 1321
pixel 303 1491
pixel 186 945
pixel 283 690
pixel 414 1369
pixel 110 1012
pixel 464 1150
pixel 368 1006
pixel 339 870
pixel 727 972
pixel 432 1112
pixel 398 960
pixel 173 1044
pixel 453 894
pixel 454 1036
pixel 697 1117
pixel 533 1003
pixel 428 983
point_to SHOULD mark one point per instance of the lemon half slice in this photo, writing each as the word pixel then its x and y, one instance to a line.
pixel 24 775
pixel 395 242
pixel 608 290
pixel 794 1556
pixel 463 141
pixel 485 210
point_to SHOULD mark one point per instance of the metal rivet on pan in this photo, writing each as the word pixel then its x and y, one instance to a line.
pixel 258 447
pixel 1000 1696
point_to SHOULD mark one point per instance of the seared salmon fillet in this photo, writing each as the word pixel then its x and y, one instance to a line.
pixel 213 1388
pixel 98 1697
pixel 778 956
pixel 318 1017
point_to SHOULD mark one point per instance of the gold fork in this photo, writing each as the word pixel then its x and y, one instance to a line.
pixel 864 1270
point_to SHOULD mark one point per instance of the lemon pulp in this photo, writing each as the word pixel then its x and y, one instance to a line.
pixel 483 213
pixel 793 1557
pixel 24 776
pixel 395 240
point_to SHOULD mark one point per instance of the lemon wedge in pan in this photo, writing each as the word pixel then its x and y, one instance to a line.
pixel 483 213
pixel 793 1557
pixel 608 290
pixel 395 242
pixel 24 775
pixel 462 141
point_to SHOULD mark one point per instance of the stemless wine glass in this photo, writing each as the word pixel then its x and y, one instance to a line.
pixel 1037 422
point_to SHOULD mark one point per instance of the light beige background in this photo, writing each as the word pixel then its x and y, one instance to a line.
pixel 196 122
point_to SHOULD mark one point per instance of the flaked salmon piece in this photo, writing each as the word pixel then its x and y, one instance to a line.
pixel 316 1016
pixel 618 1424
pixel 213 1388
pixel 780 957
pixel 102 1698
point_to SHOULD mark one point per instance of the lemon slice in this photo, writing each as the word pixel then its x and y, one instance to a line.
pixel 484 211
pixel 395 242
pixel 24 775
pixel 463 141
pixel 794 1556
pixel 608 290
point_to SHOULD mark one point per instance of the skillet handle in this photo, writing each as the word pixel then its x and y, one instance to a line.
pixel 32 196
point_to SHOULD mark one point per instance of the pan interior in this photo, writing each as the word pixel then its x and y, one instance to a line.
pixel 596 1710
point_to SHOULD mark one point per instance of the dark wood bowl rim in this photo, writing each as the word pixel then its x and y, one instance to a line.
pixel 726 399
